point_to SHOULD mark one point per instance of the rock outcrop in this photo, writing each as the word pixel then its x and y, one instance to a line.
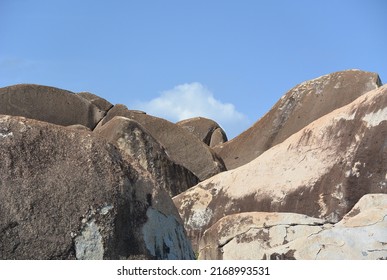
pixel 208 131
pixel 65 194
pixel 180 145
pixel 320 171
pixel 361 234
pixel 299 107
pixel 49 104
pixel 135 141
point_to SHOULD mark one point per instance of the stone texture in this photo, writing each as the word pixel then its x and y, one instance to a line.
pixel 181 147
pixel 65 194
pixel 208 131
pixel 299 107
pixel 49 104
pixel 99 102
pixel 320 171
pixel 134 140
pixel 361 234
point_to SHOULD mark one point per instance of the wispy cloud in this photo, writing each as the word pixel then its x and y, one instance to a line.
pixel 195 100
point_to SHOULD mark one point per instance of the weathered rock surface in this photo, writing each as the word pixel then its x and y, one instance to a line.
pixel 135 141
pixel 100 102
pixel 361 234
pixel 208 131
pixel 65 194
pixel 181 147
pixel 320 171
pixel 299 107
pixel 49 104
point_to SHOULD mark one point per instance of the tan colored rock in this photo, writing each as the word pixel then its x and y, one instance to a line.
pixel 66 194
pixel 180 145
pixel 250 235
pixel 204 129
pixel 299 107
pixel 135 141
pixel 362 234
pixel 320 171
pixel 49 104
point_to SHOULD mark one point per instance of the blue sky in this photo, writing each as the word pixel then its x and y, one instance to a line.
pixel 227 60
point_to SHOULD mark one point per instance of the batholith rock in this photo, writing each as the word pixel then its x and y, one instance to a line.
pixel 66 194
pixel 361 234
pixel 180 145
pixel 299 107
pixel 206 130
pixel 49 104
pixel 135 141
pixel 320 171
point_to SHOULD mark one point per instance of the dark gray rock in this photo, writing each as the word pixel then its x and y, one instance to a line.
pixel 65 194
pixel 134 140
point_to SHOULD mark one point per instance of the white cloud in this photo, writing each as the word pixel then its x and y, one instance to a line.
pixel 195 100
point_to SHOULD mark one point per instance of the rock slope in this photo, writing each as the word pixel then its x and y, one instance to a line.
pixel 299 107
pixel 320 171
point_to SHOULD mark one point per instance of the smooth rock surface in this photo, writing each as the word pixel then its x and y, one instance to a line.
pixel 320 171
pixel 208 131
pixel 299 107
pixel 65 194
pixel 180 145
pixel 49 104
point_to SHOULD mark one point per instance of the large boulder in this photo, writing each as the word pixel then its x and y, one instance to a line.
pixel 180 145
pixel 208 131
pixel 134 140
pixel 299 107
pixel 361 234
pixel 49 104
pixel 65 194
pixel 320 171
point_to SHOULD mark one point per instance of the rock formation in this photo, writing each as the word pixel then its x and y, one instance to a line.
pixel 65 194
pixel 135 141
pixel 179 144
pixel 81 178
pixel 300 106
pixel 208 131
pixel 320 171
pixel 361 234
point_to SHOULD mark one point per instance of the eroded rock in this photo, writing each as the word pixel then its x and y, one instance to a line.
pixel 49 104
pixel 320 171
pixel 134 140
pixel 65 194
pixel 299 107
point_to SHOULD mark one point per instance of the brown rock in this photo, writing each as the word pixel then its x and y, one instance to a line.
pixel 100 102
pixel 181 147
pixel 134 140
pixel 320 171
pixel 204 129
pixel 49 104
pixel 299 107
pixel 66 194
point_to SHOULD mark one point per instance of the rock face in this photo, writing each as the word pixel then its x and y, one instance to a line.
pixel 208 131
pixel 64 194
pixel 361 234
pixel 49 104
pixel 297 108
pixel 321 171
pixel 135 141
pixel 179 144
